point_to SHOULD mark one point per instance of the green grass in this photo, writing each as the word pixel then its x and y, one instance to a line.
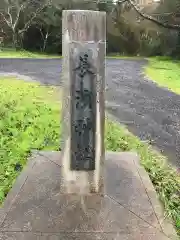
pixel 165 72
pixel 114 56
pixel 124 57
pixel 11 53
pixel 30 120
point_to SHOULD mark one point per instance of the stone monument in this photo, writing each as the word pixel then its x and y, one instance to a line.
pixel 127 207
pixel 84 47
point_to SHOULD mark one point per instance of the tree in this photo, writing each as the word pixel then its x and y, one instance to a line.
pixel 46 28
pixel 161 25
pixel 144 15
pixel 18 16
pixel 47 22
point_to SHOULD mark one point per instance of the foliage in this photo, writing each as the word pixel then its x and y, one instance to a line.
pixel 169 11
pixel 18 15
pixel 127 32
pixel 46 28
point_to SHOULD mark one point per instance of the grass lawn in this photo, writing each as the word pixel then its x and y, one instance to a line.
pixel 30 120
pixel 165 72
pixel 11 53
pixel 118 56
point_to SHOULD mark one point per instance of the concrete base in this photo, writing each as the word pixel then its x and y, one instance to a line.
pixel 35 208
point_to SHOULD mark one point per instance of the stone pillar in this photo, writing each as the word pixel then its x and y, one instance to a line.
pixel 83 113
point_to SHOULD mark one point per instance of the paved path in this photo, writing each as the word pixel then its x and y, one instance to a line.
pixel 149 112
pixel 36 208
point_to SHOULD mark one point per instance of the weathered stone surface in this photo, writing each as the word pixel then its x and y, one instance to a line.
pixel 85 25
pixel 83 76
pixel 83 119
pixel 81 236
pixel 37 206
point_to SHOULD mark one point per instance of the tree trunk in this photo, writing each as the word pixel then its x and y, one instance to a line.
pixel 45 41
pixel 21 40
pixel 15 40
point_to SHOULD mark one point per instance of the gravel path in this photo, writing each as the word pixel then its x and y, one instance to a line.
pixel 150 112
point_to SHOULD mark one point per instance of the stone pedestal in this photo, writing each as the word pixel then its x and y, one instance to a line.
pixel 129 210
